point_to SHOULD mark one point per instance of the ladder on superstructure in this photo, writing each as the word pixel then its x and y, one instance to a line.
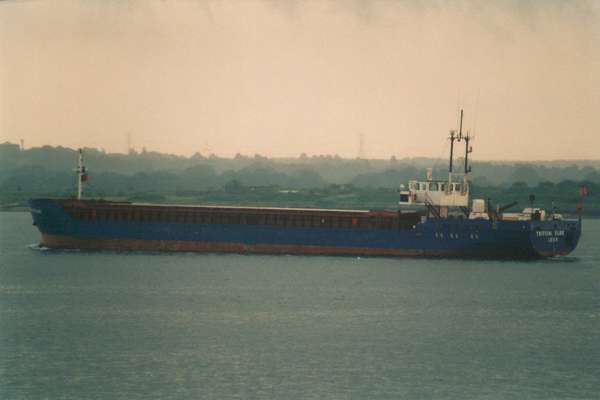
pixel 431 208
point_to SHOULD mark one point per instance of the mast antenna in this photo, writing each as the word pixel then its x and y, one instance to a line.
pixel 468 149
pixel 81 174
pixel 460 128
pixel 453 137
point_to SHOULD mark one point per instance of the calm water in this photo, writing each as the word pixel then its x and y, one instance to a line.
pixel 79 325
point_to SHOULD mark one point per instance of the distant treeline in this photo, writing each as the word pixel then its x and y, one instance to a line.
pixel 303 181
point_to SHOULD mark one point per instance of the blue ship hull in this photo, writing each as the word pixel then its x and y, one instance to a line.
pixel 430 237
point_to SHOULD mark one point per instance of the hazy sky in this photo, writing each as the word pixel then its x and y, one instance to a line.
pixel 284 77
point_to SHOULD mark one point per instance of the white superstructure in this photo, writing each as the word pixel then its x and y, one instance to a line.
pixel 440 194
pixel 436 193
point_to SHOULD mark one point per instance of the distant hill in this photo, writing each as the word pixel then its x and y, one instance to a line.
pixel 49 171
pixel 332 169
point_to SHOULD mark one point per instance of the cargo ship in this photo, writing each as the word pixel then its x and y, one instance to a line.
pixel 434 218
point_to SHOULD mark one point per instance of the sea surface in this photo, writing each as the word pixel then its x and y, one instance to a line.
pixel 107 325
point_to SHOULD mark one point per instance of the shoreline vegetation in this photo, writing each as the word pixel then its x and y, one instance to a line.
pixel 323 181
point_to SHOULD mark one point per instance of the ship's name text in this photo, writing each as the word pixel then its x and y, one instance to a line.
pixel 555 233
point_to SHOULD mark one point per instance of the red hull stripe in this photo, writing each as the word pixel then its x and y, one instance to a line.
pixel 66 242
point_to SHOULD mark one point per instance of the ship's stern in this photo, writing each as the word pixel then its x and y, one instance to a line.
pixel 555 237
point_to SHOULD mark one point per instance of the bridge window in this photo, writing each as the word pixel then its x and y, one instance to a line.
pixel 457 187
pixel 433 186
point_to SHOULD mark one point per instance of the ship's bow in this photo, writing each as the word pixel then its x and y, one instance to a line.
pixel 49 217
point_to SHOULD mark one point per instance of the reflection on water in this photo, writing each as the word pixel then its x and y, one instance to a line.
pixel 140 325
